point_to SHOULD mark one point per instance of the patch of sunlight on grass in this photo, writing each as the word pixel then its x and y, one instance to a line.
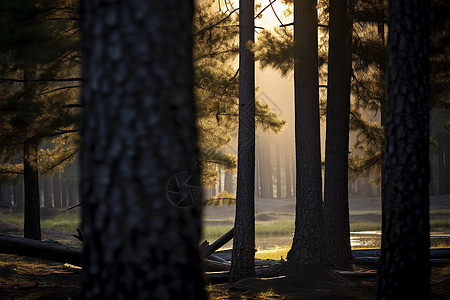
pixel 269 294
pixel 440 245
pixel 275 254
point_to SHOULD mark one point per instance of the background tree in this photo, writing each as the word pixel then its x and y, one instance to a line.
pixel 405 267
pixel 336 210
pixel 217 91
pixel 243 256
pixel 307 247
pixel 138 135
pixel 37 54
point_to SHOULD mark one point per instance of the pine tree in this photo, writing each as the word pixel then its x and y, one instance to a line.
pixel 336 208
pixel 243 256
pixel 139 138
pixel 307 247
pixel 216 89
pixel 37 53
pixel 405 267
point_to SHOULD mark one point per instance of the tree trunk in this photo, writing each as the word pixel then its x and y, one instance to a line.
pixel 243 256
pixel 48 190
pixel 307 247
pixel 57 190
pixel 139 181
pixel 404 272
pixel 32 205
pixel 336 209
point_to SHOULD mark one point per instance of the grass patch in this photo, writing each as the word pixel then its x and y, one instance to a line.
pixel 365 226
pixel 275 254
pixel 440 223
pixel 10 216
pixel 64 222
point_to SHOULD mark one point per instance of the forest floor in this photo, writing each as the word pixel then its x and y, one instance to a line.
pixel 29 278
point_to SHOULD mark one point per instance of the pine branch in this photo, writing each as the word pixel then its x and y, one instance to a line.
pixel 214 25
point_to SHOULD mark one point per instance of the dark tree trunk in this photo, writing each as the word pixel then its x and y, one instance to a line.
pixel 57 190
pixel 307 247
pixel 139 181
pixel 243 256
pixel 404 272
pixel 32 205
pixel 48 190
pixel 19 195
pixel 336 210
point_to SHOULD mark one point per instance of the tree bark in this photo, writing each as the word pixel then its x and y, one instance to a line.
pixel 243 256
pixel 139 180
pixel 405 267
pixel 307 247
pixel 336 209
pixel 32 205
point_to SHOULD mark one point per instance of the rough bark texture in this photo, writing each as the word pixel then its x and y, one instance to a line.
pixel 307 246
pixel 405 267
pixel 336 210
pixel 140 186
pixel 32 207
pixel 243 257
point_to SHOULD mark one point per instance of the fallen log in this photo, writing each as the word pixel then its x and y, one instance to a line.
pixel 60 253
pixel 215 266
pixel 38 249
pixel 206 249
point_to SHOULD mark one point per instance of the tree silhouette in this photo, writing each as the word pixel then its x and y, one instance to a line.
pixel 139 132
pixel 404 272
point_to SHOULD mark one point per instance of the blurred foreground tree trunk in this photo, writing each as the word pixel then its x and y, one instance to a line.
pixel 243 256
pixel 336 210
pixel 140 186
pixel 404 272
pixel 307 247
